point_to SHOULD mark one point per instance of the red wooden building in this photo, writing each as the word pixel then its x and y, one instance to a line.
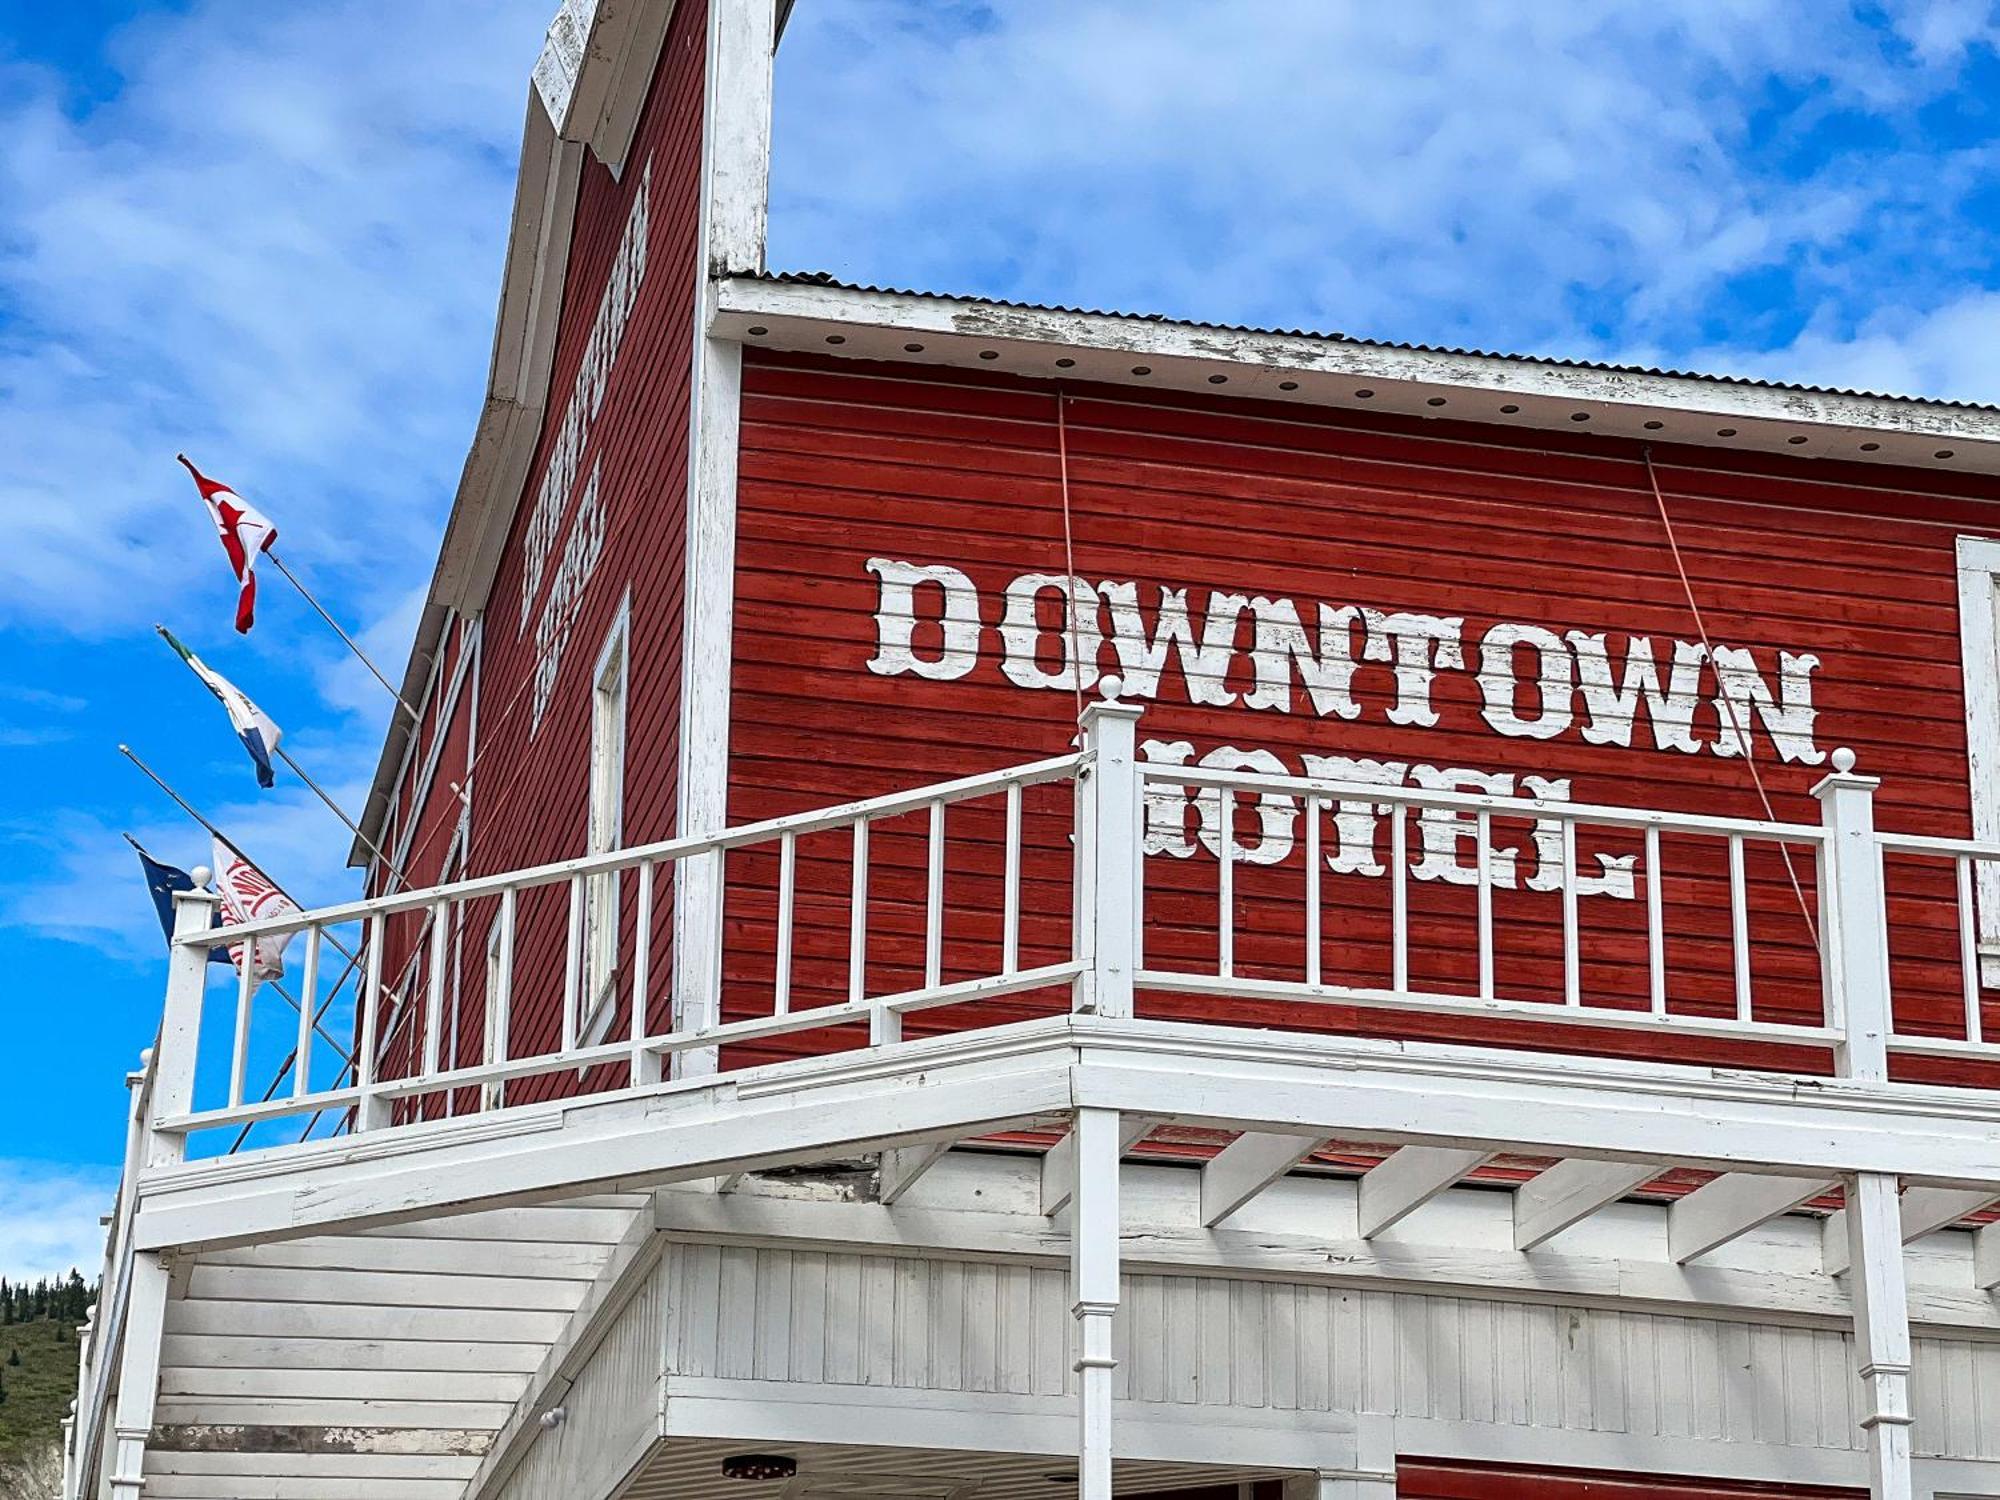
pixel 991 897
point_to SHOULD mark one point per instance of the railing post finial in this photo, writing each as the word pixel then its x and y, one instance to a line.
pixel 1854 946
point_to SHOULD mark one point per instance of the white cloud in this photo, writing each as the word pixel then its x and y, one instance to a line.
pixel 86 888
pixel 275 246
pixel 1940 31
pixel 1528 177
pixel 1951 351
pixel 48 1219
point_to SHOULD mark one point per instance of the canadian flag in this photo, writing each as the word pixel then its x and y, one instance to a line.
pixel 245 532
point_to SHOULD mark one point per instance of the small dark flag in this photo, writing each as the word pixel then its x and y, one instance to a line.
pixel 165 882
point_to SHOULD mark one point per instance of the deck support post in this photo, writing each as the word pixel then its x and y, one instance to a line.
pixel 1853 937
pixel 1854 958
pixel 1094 1292
pixel 1109 871
pixel 1881 1330
pixel 180 1027
pixel 138 1373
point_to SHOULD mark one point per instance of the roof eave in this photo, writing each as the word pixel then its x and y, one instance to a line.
pixel 1321 371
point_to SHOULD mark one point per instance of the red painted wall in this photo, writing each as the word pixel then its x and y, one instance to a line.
pixel 1417 1479
pixel 842 463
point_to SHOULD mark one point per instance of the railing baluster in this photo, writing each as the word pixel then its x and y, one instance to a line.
pixel 1399 898
pixel 788 878
pixel 500 1005
pixel 1968 950
pixel 308 995
pixel 573 965
pixel 1483 847
pixel 1010 916
pixel 1739 926
pixel 239 1056
pixel 1572 940
pixel 1656 942
pixel 643 1071
pixel 434 989
pixel 1312 891
pixel 1225 962
pixel 934 902
pixel 857 915
pixel 368 1066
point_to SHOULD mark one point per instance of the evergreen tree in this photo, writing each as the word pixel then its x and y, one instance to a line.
pixel 6 1302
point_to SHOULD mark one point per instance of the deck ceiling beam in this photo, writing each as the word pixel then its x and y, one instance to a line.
pixel 1986 1258
pixel 1924 1210
pixel 1059 1161
pixel 1571 1191
pixel 1408 1180
pixel 1733 1204
pixel 1450 1249
pixel 903 1166
pixel 1245 1167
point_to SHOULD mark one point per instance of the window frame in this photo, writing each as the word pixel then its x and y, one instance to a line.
pixel 1979 667
pixel 610 678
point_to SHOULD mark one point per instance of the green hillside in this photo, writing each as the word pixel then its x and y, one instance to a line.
pixel 37 1361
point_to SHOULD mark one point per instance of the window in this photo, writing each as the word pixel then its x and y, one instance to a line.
pixel 1979 647
pixel 605 832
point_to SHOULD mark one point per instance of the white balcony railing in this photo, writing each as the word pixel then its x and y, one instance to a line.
pixel 973 901
pixel 966 893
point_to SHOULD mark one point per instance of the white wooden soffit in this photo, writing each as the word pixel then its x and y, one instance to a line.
pixel 956 1087
pixel 1924 1210
pixel 1152 354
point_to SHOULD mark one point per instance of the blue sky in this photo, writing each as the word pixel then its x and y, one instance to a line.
pixel 271 235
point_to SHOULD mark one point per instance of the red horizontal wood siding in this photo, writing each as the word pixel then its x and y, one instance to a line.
pixel 844 462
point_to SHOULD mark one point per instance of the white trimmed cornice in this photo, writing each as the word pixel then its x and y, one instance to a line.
pixel 1331 372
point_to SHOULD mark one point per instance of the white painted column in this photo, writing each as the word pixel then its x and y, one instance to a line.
pixel 138 1373
pixel 1854 951
pixel 736 151
pixel 1881 1330
pixel 1343 1484
pixel 1094 1292
pixel 180 1024
pixel 1853 936
pixel 1109 862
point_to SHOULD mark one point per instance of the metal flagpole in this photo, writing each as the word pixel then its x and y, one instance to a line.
pixel 300 772
pixel 227 842
pixel 395 874
pixel 360 655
